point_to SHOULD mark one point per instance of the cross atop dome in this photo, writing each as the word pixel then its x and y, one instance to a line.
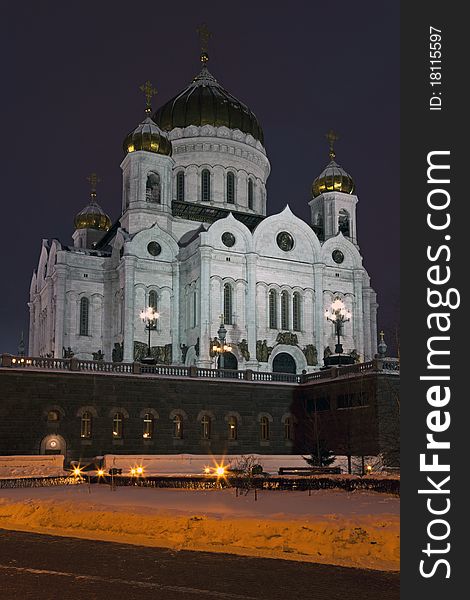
pixel 149 91
pixel 204 37
pixel 332 137
pixel 93 180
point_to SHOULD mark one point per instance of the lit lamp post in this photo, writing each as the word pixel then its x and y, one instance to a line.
pixel 338 315
pixel 149 318
pixel 220 347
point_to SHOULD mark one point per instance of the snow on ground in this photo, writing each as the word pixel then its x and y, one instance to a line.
pixel 330 526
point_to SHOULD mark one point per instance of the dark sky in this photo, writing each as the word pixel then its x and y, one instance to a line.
pixel 70 78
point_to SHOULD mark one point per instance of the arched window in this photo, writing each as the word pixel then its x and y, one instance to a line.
pixel 180 186
pixel 296 312
pixel 232 428
pixel 205 185
pixel 264 429
pixel 228 304
pixel 127 190
pixel 178 427
pixel 250 194
pixel 153 188
pixel 288 429
pixel 284 310
pixel 230 188
pixel 147 433
pixel 272 309
pixel 85 426
pixel 206 427
pixel 117 425
pixel 153 299
pixel 84 312
pixel 194 308
pixel 53 416
pixel 343 222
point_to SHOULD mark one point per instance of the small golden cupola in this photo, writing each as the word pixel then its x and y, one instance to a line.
pixel 147 135
pixel 92 216
pixel 333 178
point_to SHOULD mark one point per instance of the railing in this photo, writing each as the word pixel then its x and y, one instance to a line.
pixel 388 365
pixel 168 370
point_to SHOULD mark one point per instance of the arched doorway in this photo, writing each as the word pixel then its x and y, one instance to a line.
pixel 53 444
pixel 230 361
pixel 284 363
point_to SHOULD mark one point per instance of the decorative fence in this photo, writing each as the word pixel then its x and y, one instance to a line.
pixel 389 366
pixel 305 483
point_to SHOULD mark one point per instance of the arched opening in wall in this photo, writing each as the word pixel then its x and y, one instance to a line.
pixel 153 188
pixel 230 361
pixel 180 186
pixel 285 310
pixel 205 185
pixel 127 191
pixel 84 312
pixel 85 425
pixel 318 226
pixel 344 224
pixel 284 363
pixel 272 309
pixel 153 300
pixel 250 194
pixel 228 304
pixel 230 188
pixel 53 444
pixel 296 312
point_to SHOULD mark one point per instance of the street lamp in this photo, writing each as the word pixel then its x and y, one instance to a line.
pixel 338 314
pixel 149 318
pixel 220 347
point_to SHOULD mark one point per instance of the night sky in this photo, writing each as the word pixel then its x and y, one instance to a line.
pixel 71 72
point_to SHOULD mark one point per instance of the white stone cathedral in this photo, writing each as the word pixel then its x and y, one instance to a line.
pixel 193 242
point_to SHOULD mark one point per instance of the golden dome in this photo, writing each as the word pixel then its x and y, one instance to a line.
pixel 149 137
pixel 92 217
pixel 333 178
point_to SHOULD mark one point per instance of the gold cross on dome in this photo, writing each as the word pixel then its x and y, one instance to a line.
pixel 148 91
pixel 332 137
pixel 204 37
pixel 93 180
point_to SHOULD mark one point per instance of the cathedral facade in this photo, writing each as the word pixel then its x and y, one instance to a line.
pixel 194 243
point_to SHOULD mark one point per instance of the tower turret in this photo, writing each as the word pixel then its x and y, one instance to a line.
pixel 333 204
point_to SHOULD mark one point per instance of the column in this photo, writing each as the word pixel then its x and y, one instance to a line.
pixel 373 323
pixel 318 311
pixel 359 316
pixel 251 308
pixel 32 330
pixel 175 314
pixel 129 308
pixel 366 323
pixel 60 311
pixel 204 360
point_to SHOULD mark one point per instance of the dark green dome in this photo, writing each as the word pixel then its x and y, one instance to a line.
pixel 206 102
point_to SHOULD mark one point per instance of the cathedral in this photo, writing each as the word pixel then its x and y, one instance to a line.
pixel 193 254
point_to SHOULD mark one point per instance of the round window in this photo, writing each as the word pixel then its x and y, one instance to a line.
pixel 285 241
pixel 228 239
pixel 337 256
pixel 154 248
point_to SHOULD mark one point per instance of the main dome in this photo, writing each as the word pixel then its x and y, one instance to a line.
pixel 206 102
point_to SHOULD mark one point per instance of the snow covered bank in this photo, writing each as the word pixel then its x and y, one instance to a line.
pixel 359 529
pixel 31 466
